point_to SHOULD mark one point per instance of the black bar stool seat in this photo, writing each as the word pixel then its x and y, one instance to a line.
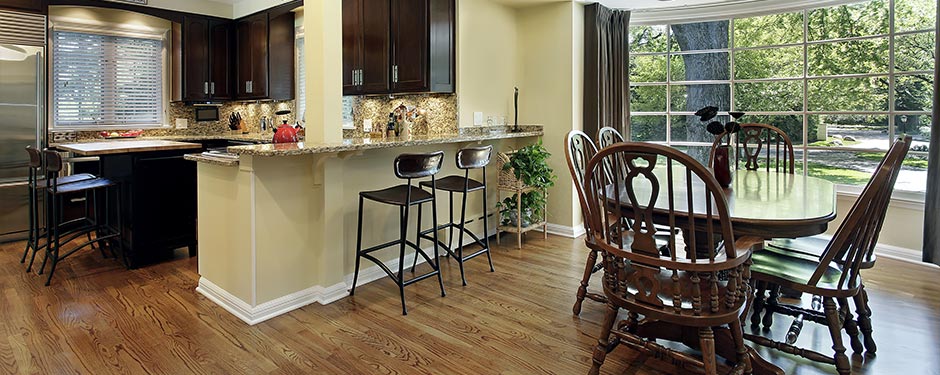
pixel 84 185
pixel 407 167
pixel 456 184
pixel 66 180
pixel 467 159
pixel 398 195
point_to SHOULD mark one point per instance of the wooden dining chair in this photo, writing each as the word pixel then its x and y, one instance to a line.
pixel 578 151
pixel 757 142
pixel 814 247
pixel 834 275
pixel 607 136
pixel 703 291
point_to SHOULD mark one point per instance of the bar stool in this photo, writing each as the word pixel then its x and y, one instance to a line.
pixel 56 234
pixel 467 159
pixel 408 167
pixel 36 185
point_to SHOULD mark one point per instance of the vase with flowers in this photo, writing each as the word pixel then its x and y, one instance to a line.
pixel 724 135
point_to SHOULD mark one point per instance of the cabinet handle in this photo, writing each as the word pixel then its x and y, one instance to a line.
pixel 395 73
pixel 212 88
pixel 360 77
pixel 355 77
pixel 248 87
pixel 205 88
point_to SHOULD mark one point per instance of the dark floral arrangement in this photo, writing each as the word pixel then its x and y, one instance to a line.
pixel 707 115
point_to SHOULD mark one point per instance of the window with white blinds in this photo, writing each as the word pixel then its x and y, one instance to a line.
pixel 106 81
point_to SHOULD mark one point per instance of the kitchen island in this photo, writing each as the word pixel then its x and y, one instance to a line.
pixel 277 229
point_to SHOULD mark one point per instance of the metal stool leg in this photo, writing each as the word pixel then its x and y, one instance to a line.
pixel 417 237
pixel 437 257
pixel 401 255
pixel 486 232
pixel 460 232
pixel 358 249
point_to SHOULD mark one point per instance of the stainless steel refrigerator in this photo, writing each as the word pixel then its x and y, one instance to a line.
pixel 22 113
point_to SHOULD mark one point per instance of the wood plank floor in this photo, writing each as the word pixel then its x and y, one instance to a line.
pixel 98 318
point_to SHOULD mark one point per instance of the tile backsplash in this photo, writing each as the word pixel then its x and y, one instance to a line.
pixel 440 112
pixel 251 113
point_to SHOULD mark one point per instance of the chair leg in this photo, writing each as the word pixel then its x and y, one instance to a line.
pixel 600 351
pixel 460 232
pixel 486 231
pixel 582 290
pixel 707 342
pixel 737 333
pixel 401 257
pixel 863 310
pixel 417 238
pixel 437 257
pixel 773 299
pixel 835 331
pixel 851 327
pixel 358 250
pixel 759 287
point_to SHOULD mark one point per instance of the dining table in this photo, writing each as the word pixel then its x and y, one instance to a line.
pixel 761 203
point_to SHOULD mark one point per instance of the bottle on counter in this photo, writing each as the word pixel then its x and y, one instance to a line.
pixel 391 126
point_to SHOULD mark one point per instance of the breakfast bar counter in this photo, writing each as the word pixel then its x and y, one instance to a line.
pixel 277 225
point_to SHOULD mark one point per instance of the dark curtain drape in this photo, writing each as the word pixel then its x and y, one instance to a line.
pixel 932 203
pixel 606 64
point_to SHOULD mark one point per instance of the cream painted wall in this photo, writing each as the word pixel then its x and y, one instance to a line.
pixel 487 59
pixel 323 55
pixel 903 227
pixel 549 40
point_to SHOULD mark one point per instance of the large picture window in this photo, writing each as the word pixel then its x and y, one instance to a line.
pixel 841 81
pixel 102 81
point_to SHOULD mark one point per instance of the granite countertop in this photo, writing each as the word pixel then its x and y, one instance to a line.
pixel 358 144
pixel 109 147
pixel 211 160
pixel 251 137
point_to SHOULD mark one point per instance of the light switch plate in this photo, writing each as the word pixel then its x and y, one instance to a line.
pixel 367 125
pixel 477 118
pixel 182 123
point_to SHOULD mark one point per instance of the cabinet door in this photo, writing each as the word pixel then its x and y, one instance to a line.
pixel 259 56
pixel 352 44
pixel 409 27
pixel 375 47
pixel 30 5
pixel 242 58
pixel 195 58
pixel 220 60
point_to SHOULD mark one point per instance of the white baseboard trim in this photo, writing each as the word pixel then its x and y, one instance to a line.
pixel 278 306
pixel 565 231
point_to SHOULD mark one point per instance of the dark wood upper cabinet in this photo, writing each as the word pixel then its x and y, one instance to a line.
pixel 38 6
pixel 207 58
pixel 366 41
pixel 265 57
pixel 398 46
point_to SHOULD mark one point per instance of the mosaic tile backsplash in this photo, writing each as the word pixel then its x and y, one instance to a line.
pixel 251 113
pixel 440 112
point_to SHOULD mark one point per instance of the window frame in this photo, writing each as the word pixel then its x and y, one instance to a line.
pixel 83 26
pixel 891 74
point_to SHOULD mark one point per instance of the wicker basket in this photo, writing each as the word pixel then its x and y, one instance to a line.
pixel 507 177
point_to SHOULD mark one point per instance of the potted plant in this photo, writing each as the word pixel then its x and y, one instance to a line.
pixel 722 165
pixel 530 166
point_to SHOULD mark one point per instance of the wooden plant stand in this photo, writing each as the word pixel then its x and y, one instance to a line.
pixel 509 183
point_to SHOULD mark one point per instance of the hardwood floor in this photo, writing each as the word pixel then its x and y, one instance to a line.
pixel 98 318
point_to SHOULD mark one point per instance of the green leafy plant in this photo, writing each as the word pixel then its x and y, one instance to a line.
pixel 530 165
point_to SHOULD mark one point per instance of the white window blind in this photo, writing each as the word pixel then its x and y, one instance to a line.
pixel 103 80
pixel 301 110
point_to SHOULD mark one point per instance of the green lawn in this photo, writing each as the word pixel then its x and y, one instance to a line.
pixel 910 161
pixel 836 175
pixel 830 142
